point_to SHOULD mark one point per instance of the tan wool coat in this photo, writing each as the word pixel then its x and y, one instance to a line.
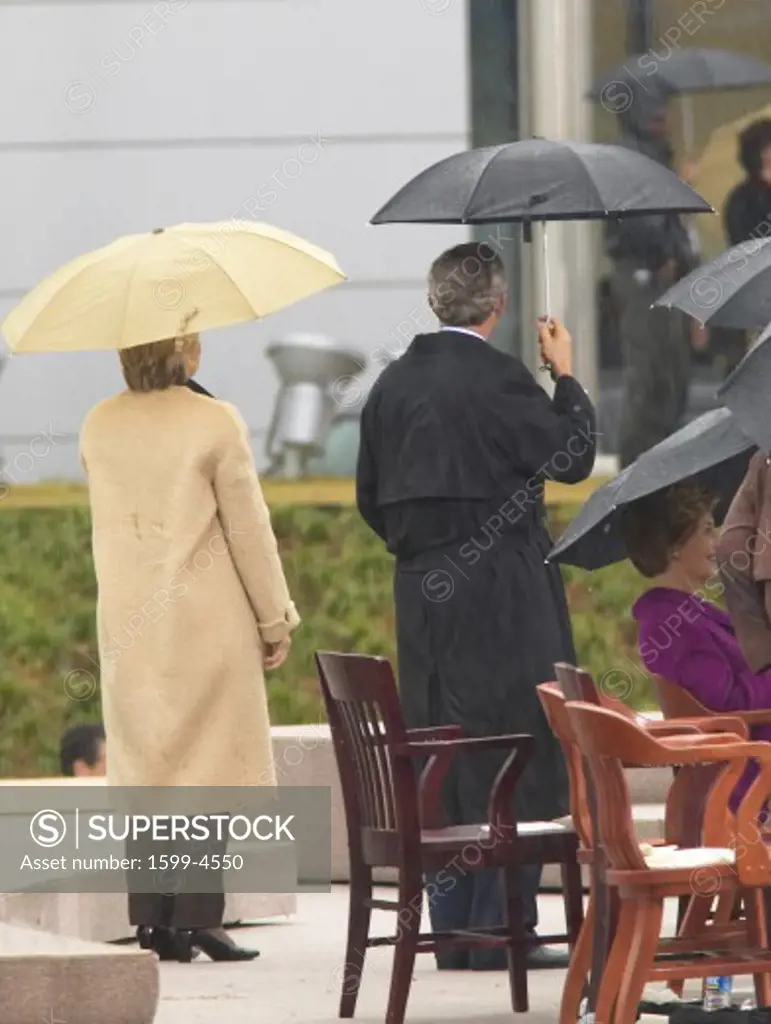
pixel 190 587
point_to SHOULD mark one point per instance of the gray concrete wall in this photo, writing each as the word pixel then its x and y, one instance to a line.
pixel 125 116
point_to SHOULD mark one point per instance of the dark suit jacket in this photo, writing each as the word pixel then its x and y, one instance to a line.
pixel 744 554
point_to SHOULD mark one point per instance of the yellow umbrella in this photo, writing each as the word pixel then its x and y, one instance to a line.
pixel 717 171
pixel 192 277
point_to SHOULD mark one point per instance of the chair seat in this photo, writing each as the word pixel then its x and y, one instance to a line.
pixel 665 857
pixel 478 833
pixel 455 837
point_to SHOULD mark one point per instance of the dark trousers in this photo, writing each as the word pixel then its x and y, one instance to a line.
pixel 172 901
pixel 476 901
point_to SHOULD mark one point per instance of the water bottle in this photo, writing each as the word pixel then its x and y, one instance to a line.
pixel 717 994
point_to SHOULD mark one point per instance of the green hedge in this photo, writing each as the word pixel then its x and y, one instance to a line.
pixel 340 577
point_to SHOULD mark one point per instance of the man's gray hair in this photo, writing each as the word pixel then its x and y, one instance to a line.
pixel 465 283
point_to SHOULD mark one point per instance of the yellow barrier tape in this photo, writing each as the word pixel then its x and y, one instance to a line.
pixel 277 492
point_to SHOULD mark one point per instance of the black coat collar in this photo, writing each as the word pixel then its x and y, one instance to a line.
pixel 195 386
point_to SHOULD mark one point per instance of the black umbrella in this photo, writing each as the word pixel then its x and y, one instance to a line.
pixel 746 392
pixel 712 449
pixel 733 290
pixel 689 70
pixel 683 71
pixel 540 180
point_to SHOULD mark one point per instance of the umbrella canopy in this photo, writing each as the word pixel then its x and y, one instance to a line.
pixel 732 290
pixel 746 391
pixel 143 288
pixel 540 180
pixel 685 71
pixel 712 449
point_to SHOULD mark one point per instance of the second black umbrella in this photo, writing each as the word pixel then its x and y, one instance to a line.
pixel 746 392
pixel 712 449
pixel 733 290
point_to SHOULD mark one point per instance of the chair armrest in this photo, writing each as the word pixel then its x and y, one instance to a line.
pixel 710 724
pixel 760 717
pixel 436 732
pixel 441 752
pixel 670 728
pixel 522 743
pixel 707 749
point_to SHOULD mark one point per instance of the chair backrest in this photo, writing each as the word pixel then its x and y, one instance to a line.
pixel 607 740
pixel 676 702
pixel 380 792
pixel 577 684
pixel 553 701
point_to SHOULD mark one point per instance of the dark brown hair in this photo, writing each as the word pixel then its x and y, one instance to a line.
pixel 655 526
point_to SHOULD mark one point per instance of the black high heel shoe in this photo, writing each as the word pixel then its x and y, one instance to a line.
pixel 217 949
pixel 167 943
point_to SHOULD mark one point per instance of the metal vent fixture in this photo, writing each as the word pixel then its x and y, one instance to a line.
pixel 315 375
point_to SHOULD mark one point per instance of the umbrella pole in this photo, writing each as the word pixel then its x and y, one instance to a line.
pixel 544 368
pixel 547 281
pixel 688 133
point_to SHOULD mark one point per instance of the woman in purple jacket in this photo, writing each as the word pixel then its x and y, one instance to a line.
pixel 684 637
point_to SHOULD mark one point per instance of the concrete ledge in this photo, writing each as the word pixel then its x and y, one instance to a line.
pixel 50 978
pixel 103 917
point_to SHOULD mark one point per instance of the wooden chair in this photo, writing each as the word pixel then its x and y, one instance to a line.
pixel 676 702
pixel 394 819
pixel 593 945
pixel 729 862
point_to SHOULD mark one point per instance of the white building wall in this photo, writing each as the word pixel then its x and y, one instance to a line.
pixel 120 117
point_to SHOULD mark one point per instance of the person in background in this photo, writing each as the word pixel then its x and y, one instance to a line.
pixel 182 544
pixel 457 439
pixel 82 750
pixel 649 254
pixel 744 555
pixel 746 217
pixel 747 210
pixel 683 636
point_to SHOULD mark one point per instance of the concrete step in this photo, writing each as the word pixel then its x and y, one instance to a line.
pixel 51 979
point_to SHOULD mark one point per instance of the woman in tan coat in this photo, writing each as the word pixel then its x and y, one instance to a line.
pixel 192 606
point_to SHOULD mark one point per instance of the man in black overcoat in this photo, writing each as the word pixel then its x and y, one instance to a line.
pixel 650 254
pixel 457 440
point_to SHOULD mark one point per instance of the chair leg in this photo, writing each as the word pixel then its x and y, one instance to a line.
pixel 683 902
pixel 516 954
pixel 640 957
pixel 757 935
pixel 614 965
pixel 691 922
pixel 573 896
pixel 605 923
pixel 406 946
pixel 580 961
pixel 359 914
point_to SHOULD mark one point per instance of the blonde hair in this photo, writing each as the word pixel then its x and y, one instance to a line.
pixel 158 365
